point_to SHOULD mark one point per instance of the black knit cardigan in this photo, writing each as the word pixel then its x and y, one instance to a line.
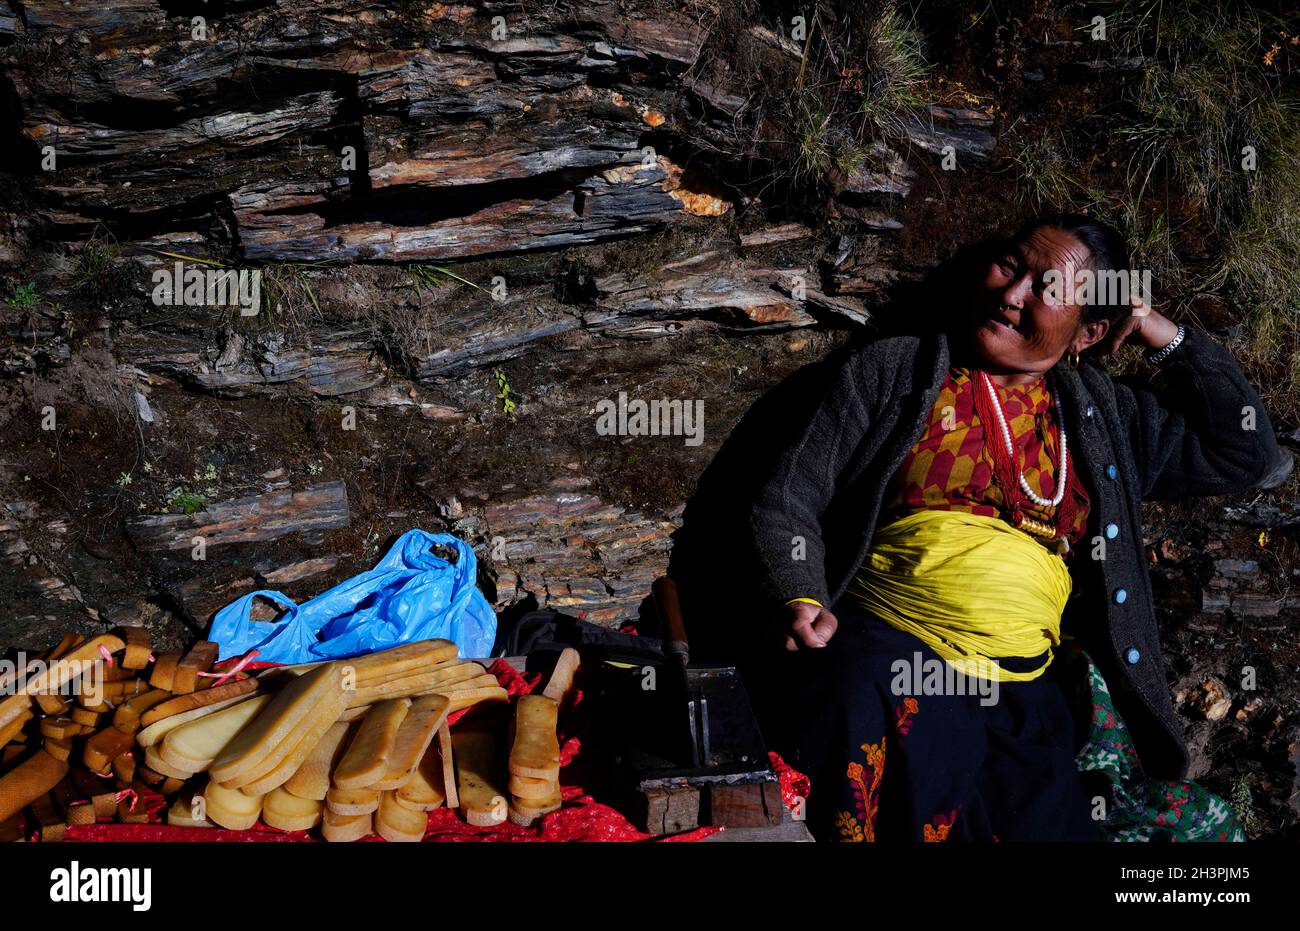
pixel 1203 432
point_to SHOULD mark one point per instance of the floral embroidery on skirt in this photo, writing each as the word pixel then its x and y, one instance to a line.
pixel 1142 809
pixel 946 767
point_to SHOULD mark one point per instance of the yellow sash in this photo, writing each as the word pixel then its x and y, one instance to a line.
pixel 973 588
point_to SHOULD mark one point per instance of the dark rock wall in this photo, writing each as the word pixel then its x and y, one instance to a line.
pixel 467 239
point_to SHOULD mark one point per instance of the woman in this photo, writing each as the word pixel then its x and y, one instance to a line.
pixel 955 542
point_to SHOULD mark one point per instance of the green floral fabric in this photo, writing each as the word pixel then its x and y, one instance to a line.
pixel 1137 808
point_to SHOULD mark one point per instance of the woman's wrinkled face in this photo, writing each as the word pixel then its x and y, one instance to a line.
pixel 1020 325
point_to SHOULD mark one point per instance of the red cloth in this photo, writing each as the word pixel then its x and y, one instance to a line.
pixel 794 784
pixel 581 818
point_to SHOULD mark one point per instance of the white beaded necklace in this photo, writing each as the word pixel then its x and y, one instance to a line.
pixel 1011 449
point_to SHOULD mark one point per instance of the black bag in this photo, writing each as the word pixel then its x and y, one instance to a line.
pixel 543 631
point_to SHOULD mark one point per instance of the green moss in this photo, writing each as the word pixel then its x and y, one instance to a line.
pixel 187 501
pixel 24 296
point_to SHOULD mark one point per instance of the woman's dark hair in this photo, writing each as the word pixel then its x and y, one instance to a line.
pixel 1107 251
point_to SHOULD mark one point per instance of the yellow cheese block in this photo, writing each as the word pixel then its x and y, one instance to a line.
pixel 351 801
pixel 138 647
pixel 160 729
pixel 447 754
pixel 14 727
pixel 345 828
pixel 84 717
pixel 101 747
pixel 201 740
pixel 538 805
pixel 305 741
pixel 71 665
pixel 536 750
pixel 524 817
pixel 129 716
pixel 414 736
pixel 312 778
pixel 562 675
pixel 423 790
pixel 483 680
pixel 396 662
pixel 397 824
pixel 469 697
pixel 366 759
pixel 154 761
pixel 416 683
pixel 262 745
pixel 231 808
pixel 15 706
pixel 405 804
pixel 181 814
pixel 525 787
pixel 401 660
pixel 480 778
pixel 287 812
pixel 206 695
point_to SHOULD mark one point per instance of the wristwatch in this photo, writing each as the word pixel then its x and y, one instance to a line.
pixel 1159 355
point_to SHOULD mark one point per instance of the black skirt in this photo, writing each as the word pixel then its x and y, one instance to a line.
pixel 896 752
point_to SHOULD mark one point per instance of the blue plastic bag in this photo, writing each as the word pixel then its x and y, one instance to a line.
pixel 411 594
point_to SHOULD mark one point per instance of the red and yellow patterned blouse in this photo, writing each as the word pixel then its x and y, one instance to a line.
pixel 950 469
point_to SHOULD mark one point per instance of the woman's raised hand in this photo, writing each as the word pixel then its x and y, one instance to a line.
pixel 1152 329
pixel 811 626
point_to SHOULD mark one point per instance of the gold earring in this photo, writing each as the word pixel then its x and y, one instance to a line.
pixel 1073 360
